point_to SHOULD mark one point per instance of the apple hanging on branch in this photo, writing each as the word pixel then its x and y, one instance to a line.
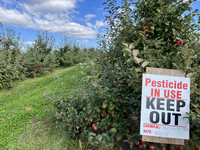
pixel 103 115
pixel 177 42
pixel 147 27
pixel 94 125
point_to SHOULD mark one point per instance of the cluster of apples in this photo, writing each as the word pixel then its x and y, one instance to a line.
pixel 177 42
pixel 141 144
pixel 147 27
pixel 94 125
pixel 104 108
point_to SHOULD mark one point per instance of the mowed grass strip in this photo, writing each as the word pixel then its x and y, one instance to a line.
pixel 24 103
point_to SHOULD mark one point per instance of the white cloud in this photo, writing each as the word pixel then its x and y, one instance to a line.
pixel 14 17
pixel 48 15
pixel 83 41
pixel 34 1
pixel 89 16
pixel 99 24
pixel 40 7
pixel 89 25
pixel 28 43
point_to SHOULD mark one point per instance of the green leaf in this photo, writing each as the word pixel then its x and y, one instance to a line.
pixel 92 63
pixel 127 50
pixel 92 134
pixel 144 64
pixel 138 70
pixel 90 138
pixel 138 60
pixel 99 137
pixel 135 52
pixel 189 62
pixel 113 130
pixel 94 84
pixel 97 109
pixel 130 60
pixel 136 42
pixel 104 3
pixel 104 134
pixel 125 44
pixel 158 10
pixel 189 75
pixel 173 8
pixel 192 80
pixel 167 23
pixel 131 46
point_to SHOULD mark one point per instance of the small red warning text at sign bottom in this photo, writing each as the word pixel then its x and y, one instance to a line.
pixel 149 125
pixel 147 131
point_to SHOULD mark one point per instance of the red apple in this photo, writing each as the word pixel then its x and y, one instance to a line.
pixel 186 140
pixel 180 148
pixel 108 125
pixel 152 147
pixel 110 113
pixel 128 118
pixel 140 146
pixel 121 98
pixel 95 128
pixel 198 147
pixel 147 27
pixel 137 143
pixel 142 142
pixel 103 107
pixel 102 115
pixel 149 32
pixel 113 116
pixel 128 143
pixel 178 42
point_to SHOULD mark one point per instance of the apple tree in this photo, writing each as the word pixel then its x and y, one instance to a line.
pixel 162 34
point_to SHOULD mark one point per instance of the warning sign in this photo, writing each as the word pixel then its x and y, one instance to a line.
pixel 165 101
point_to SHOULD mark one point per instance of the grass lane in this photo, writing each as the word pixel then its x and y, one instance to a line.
pixel 24 103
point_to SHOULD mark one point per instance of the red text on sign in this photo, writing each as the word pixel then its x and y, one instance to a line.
pixel 147 131
pixel 166 84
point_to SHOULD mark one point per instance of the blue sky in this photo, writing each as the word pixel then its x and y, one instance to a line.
pixel 80 20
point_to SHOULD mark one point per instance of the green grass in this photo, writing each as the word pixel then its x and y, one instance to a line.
pixel 25 120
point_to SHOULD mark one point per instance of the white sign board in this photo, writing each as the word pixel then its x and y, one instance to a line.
pixel 165 101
